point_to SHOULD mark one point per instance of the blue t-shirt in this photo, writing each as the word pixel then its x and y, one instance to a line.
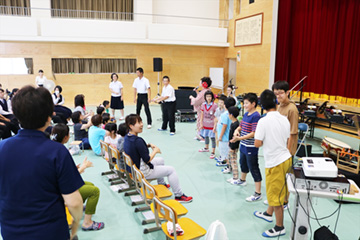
pixel 224 119
pixel 95 135
pixel 34 173
pixel 248 124
pixel 137 149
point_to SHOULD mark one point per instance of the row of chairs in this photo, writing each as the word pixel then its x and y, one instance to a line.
pixel 157 208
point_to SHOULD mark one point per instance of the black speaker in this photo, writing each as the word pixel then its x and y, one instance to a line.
pixel 158 65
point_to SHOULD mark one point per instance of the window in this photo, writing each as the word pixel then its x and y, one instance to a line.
pixel 93 65
pixel 16 66
pixel 98 9
pixel 15 7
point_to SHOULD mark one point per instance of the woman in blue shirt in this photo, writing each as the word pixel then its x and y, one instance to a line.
pixel 152 167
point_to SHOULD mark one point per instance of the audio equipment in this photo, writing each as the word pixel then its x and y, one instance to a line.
pixel 317 184
pixel 158 64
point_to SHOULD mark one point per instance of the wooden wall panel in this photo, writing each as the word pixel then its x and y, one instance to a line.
pixel 185 65
pixel 252 72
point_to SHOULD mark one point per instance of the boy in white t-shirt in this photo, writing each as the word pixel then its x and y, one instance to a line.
pixel 272 133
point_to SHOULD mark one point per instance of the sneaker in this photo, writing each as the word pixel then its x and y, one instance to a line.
pixel 266 202
pixel 218 159
pixel 238 182
pixel 204 150
pixel 202 140
pixel 226 170
pixel 254 198
pixel 172 134
pixel 272 233
pixel 161 130
pixel 286 206
pixel 122 118
pixel 230 180
pixel 149 126
pixel 212 156
pixel 221 164
pixel 184 199
pixel 167 185
pixel 262 216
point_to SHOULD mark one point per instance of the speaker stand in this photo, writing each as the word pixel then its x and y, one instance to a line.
pixel 158 84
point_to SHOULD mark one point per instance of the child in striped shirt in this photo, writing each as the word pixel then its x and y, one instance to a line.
pixel 248 152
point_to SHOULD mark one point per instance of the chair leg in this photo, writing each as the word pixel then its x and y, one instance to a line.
pixel 126 189
pixel 137 203
pixel 114 179
pixel 116 182
pixel 144 222
pixel 131 193
pixel 153 229
pixel 140 209
pixel 106 173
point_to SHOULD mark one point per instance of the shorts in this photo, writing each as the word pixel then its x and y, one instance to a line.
pixel 276 188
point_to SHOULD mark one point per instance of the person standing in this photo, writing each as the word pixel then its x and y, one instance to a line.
pixel 41 79
pixel 196 102
pixel 168 106
pixel 117 95
pixel 43 169
pixel 142 89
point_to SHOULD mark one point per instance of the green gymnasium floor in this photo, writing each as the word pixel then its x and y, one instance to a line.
pixel 214 198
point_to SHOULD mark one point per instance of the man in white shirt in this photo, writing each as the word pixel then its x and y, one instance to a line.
pixel 142 89
pixel 168 106
pixel 272 133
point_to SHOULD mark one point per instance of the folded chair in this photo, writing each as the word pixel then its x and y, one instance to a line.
pixel 135 195
pixel 163 191
pixel 125 183
pixel 106 154
pixel 151 192
pixel 191 229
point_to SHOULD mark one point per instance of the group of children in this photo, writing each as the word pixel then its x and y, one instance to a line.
pixel 220 121
pixel 275 131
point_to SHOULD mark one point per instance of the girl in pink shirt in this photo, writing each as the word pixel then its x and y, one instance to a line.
pixel 207 118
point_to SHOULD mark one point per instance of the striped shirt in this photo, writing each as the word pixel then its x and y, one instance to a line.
pixel 248 125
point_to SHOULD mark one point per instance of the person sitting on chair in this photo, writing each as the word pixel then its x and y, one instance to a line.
pixel 152 167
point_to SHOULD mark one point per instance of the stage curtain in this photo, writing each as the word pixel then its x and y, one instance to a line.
pixel 320 39
pixel 93 65
pixel 15 7
pixel 98 9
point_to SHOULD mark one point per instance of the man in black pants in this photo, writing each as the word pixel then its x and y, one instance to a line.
pixel 142 89
pixel 168 107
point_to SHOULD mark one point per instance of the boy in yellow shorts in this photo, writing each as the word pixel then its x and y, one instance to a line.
pixel 272 133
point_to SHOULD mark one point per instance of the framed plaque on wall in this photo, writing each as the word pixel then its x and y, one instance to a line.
pixel 249 30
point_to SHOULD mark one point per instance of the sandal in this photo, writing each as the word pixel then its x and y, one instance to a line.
pixel 95 226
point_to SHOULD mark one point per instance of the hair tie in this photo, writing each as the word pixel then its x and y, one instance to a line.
pixel 204 84
pixel 53 137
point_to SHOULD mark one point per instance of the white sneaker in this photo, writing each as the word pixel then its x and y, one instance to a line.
pixel 266 202
pixel 238 182
pixel 172 134
pixel 272 233
pixel 226 170
pixel 230 180
pixel 149 126
pixel 262 216
pixel 254 198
